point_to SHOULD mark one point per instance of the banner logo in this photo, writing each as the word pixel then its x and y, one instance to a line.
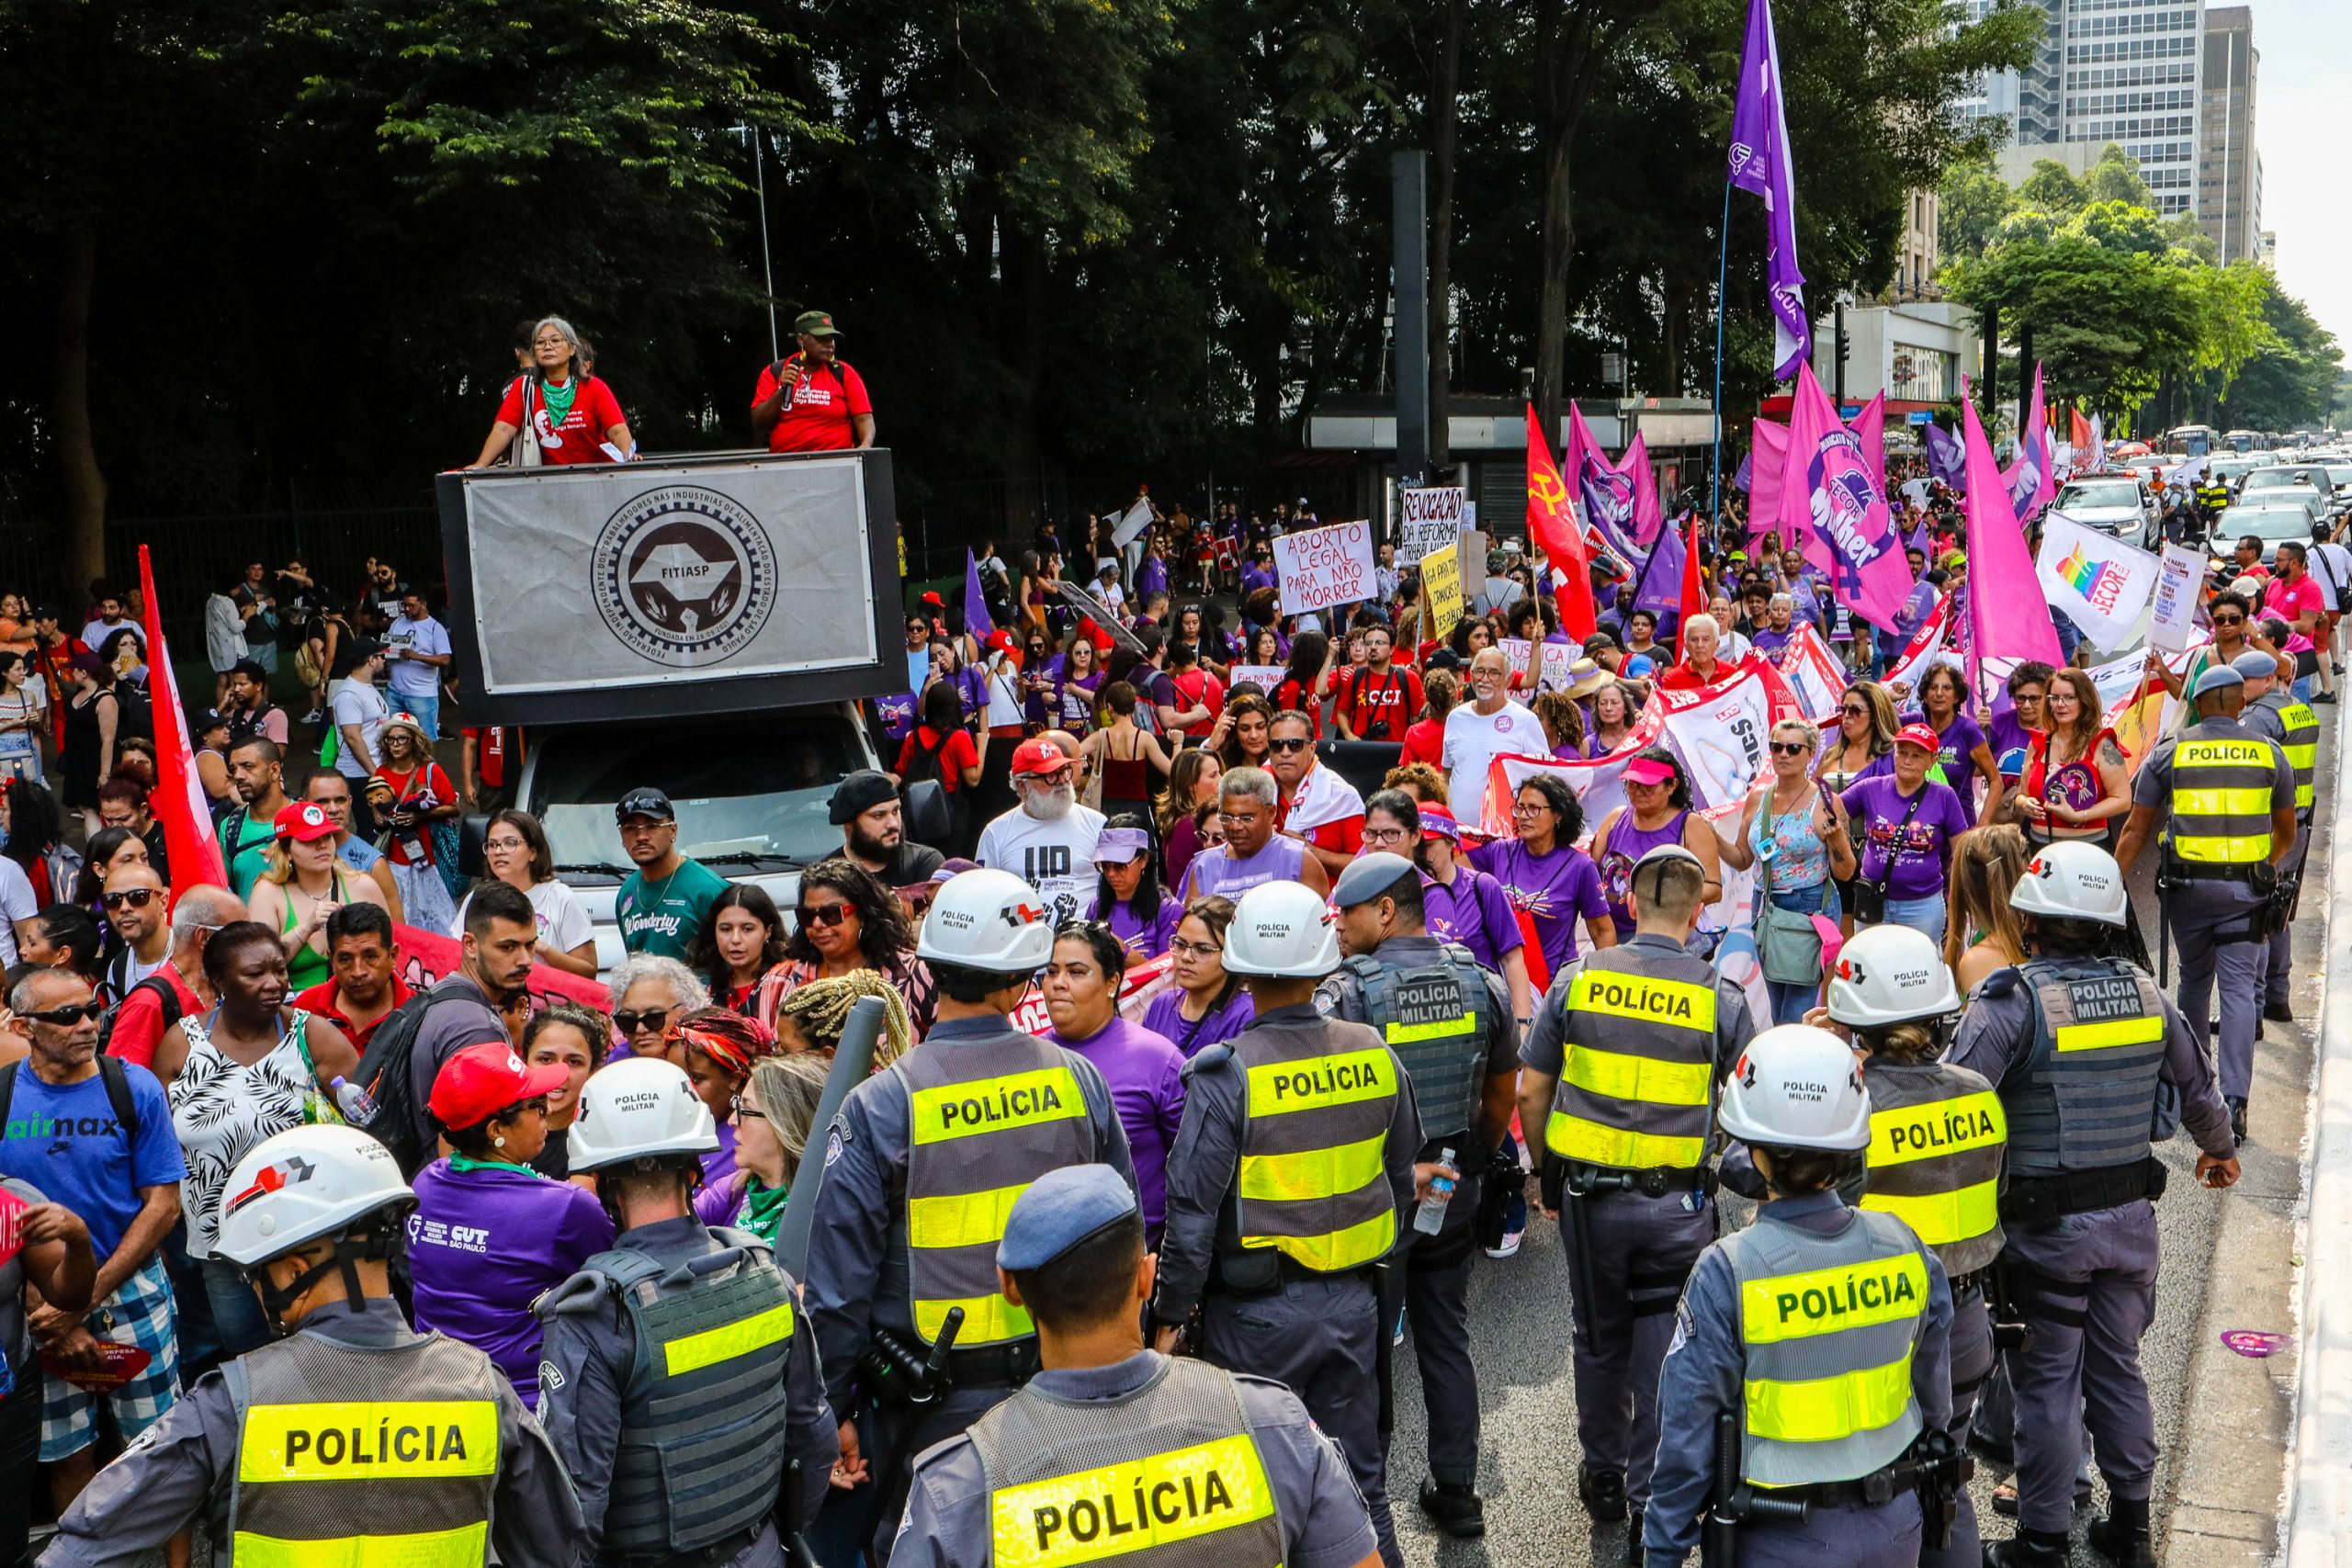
pixel 683 576
pixel 1843 499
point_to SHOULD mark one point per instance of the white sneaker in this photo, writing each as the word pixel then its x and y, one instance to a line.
pixel 1509 1248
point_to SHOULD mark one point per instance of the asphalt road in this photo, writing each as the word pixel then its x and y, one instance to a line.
pixel 1520 1338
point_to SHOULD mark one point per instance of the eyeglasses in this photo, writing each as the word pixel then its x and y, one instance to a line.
pixel 137 898
pixel 743 1109
pixel 822 914
pixel 80 1012
pixel 1788 747
pixel 501 844
pixel 1383 835
pixel 1194 949
pixel 630 1023
pixel 1295 743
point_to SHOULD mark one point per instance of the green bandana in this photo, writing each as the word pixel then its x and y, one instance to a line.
pixel 762 1207
pixel 460 1164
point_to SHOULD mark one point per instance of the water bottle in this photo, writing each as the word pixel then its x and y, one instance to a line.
pixel 1432 1213
pixel 358 1107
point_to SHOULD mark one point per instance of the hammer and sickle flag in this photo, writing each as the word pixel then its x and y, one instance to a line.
pixel 1553 525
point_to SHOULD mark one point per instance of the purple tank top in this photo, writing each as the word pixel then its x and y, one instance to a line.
pixel 1215 871
pixel 1627 845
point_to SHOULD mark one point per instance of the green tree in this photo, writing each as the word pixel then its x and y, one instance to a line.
pixel 2291 381
pixel 2116 177
pixel 1975 200
pixel 2052 189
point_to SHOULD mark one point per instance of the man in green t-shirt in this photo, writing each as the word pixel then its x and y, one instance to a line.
pixel 662 905
pixel 257 771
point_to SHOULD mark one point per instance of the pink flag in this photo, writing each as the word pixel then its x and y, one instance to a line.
pixel 1647 515
pixel 2031 478
pixel 1870 425
pixel 1827 485
pixel 1768 441
pixel 2006 618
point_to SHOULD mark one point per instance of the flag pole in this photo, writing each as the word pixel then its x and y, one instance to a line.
pixel 1715 463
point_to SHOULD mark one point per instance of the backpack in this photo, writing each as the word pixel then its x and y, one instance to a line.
pixel 167 1001
pixel 112 1072
pixel 923 765
pixel 383 1072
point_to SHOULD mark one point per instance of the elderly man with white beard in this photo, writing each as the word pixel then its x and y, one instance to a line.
pixel 1048 840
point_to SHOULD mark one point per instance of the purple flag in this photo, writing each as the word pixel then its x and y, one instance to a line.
pixel 976 603
pixel 1759 163
pixel 1740 479
pixel 1945 459
pixel 2031 478
pixel 1660 587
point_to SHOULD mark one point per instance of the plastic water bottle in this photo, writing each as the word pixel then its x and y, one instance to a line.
pixel 1432 1213
pixel 358 1107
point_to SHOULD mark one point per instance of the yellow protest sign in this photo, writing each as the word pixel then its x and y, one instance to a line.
pixel 1442 589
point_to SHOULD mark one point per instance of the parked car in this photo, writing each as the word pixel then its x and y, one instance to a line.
pixel 2120 504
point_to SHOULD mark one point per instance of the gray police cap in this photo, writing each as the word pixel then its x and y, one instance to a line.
pixel 2255 665
pixel 1662 853
pixel 1369 876
pixel 1059 1210
pixel 2220 678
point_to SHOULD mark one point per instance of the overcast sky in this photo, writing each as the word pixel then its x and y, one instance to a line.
pixel 2303 128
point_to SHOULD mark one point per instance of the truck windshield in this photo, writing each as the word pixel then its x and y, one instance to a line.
pixel 752 785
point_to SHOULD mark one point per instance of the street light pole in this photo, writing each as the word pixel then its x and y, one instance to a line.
pixel 767 259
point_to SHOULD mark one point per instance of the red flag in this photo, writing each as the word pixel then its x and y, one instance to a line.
pixel 1553 528
pixel 178 800
pixel 2086 461
pixel 1694 589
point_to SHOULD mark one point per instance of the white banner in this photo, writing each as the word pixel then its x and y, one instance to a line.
pixel 1925 648
pixel 1324 567
pixel 1814 674
pixel 2117 681
pixel 1428 520
pixel 1556 659
pixel 1719 733
pixel 2179 577
pixel 1521 653
pixel 1265 676
pixel 1130 526
pixel 2100 582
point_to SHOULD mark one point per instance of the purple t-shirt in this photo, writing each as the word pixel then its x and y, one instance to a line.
pixel 1926 851
pixel 1214 869
pixel 1151 577
pixel 1147 1079
pixel 1142 939
pixel 485 1243
pixel 1554 889
pixel 1165 1017
pixel 2012 742
pixel 1476 912
pixel 1766 641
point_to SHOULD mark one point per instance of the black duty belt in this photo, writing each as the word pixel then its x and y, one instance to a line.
pixel 2038 1200
pixel 1009 1365
pixel 2209 871
pixel 1873 1491
pixel 709 1556
pixel 1965 1286
pixel 1586 1181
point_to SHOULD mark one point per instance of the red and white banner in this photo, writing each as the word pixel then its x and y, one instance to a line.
pixel 426 956
pixel 1925 647
pixel 1719 731
pixel 1815 679
pixel 178 800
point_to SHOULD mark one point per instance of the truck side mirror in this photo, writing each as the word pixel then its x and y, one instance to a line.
pixel 473 829
pixel 923 805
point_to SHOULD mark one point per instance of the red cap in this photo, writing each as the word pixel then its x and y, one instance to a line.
pixel 1918 734
pixel 1040 758
pixel 302 822
pixel 482 1080
pixel 1438 819
pixel 932 598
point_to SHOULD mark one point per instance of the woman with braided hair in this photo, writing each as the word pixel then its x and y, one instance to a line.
pixel 846 921
pixel 811 1019
pixel 716 1046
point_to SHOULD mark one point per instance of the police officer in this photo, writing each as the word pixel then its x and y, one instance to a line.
pixel 1617 1105
pixel 1811 1347
pixel 2231 797
pixel 2272 711
pixel 425 1442
pixel 1449 1024
pixel 1232 1470
pixel 678 1383
pixel 2077 1044
pixel 1937 1133
pixel 1291 1168
pixel 918 1168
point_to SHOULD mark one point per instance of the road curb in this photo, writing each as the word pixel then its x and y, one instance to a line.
pixel 2317 1522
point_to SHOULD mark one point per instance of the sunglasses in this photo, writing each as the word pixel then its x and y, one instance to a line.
pixel 1788 747
pixel 2229 620
pixel 1855 712
pixel 1296 743
pixel 137 898
pixel 630 1023
pixel 80 1012
pixel 822 914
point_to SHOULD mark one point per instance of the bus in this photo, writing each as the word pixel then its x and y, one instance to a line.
pixel 2191 440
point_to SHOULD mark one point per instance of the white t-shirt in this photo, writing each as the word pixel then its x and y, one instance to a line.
pixel 17 903
pixel 563 924
pixel 97 632
pixel 1474 739
pixel 410 678
pixel 2331 565
pixel 359 703
pixel 1005 695
pixel 1056 858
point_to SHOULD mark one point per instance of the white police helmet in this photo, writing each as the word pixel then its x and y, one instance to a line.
pixel 989 920
pixel 1797 1087
pixel 1890 974
pixel 1281 930
pixel 2072 880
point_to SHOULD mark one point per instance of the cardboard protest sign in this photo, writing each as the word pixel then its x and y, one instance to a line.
pixel 1430 520
pixel 1324 567
pixel 1441 591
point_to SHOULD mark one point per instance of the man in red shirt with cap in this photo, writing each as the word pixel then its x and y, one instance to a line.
pixel 812 401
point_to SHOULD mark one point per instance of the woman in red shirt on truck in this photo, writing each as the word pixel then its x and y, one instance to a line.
pixel 571 415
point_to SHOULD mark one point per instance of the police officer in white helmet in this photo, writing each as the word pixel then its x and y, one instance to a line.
pixel 1811 1348
pixel 426 1450
pixel 678 1381
pixel 1936 1136
pixel 947 1134
pixel 1281 1268
pixel 2078 1044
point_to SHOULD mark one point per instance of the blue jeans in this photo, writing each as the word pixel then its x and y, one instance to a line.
pixel 1927 914
pixel 2302 689
pixel 237 1316
pixel 1790 1002
pixel 426 708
